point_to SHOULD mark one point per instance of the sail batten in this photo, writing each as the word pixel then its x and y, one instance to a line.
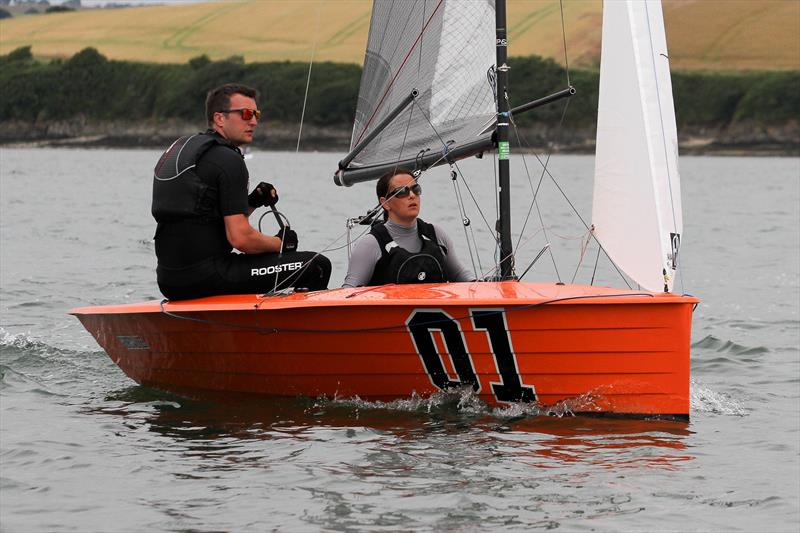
pixel 443 50
pixel 636 211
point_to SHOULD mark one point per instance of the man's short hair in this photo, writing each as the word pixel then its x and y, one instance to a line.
pixel 220 98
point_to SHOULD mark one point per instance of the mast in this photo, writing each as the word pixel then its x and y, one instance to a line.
pixel 503 152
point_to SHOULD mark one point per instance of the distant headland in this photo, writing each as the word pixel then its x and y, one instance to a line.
pixel 75 76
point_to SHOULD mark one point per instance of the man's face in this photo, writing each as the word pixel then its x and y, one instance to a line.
pixel 402 210
pixel 232 126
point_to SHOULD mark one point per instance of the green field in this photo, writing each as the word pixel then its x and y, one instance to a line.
pixel 720 35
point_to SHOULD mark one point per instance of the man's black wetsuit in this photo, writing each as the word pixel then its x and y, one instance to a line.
pixel 195 258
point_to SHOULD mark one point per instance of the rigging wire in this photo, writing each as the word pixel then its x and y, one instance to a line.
pixel 490 274
pixel 547 161
pixel 538 186
pixel 455 163
pixel 575 210
pixel 308 80
pixel 286 282
pixel 465 222
pixel 523 141
pixel 564 36
pixel 663 137
pixel 405 138
pixel 347 233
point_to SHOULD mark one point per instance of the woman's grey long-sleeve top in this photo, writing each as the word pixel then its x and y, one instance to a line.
pixel 367 252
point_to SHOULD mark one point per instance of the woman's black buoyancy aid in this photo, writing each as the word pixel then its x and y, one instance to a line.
pixel 398 265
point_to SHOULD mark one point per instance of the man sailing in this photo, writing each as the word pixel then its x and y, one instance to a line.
pixel 201 205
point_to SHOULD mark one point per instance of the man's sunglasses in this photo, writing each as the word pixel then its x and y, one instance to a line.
pixel 402 192
pixel 247 114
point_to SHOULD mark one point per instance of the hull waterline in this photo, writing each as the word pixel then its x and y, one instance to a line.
pixel 603 350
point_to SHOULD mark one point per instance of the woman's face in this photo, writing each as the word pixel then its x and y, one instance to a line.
pixel 402 209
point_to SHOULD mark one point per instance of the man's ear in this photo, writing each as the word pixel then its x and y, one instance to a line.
pixel 218 118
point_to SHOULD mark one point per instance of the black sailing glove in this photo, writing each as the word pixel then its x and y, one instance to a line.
pixel 264 194
pixel 288 240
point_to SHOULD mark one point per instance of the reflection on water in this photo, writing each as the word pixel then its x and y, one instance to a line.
pixel 447 462
pixel 538 441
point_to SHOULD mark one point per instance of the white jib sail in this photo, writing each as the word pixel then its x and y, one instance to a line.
pixel 636 209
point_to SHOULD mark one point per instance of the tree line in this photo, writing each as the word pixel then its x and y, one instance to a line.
pixel 90 85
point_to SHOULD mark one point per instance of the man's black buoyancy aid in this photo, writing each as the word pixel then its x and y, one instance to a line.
pixel 398 265
pixel 177 189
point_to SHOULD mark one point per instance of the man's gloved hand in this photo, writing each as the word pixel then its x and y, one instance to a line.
pixel 264 194
pixel 288 240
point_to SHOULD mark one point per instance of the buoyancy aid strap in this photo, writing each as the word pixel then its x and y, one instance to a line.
pixel 385 241
pixel 427 231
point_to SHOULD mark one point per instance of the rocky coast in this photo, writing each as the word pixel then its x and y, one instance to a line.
pixel 737 139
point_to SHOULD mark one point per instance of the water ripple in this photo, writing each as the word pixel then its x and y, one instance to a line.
pixel 711 342
pixel 57 370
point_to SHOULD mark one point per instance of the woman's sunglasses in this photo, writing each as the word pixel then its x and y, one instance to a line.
pixel 405 190
pixel 247 114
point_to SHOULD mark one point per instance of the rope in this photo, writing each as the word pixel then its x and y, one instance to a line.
pixel 584 247
pixel 261 329
pixel 596 260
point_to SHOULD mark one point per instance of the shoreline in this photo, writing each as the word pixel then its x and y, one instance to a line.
pixel 739 140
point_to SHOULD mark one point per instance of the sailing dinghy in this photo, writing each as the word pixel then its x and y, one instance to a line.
pixel 425 100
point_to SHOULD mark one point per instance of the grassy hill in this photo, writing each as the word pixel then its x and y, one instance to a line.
pixel 703 34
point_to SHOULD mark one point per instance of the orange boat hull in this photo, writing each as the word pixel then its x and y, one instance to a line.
pixel 603 350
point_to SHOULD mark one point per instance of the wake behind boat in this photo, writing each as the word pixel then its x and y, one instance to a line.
pixel 594 349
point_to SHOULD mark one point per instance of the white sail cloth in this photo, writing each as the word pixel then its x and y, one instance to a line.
pixel 441 48
pixel 636 210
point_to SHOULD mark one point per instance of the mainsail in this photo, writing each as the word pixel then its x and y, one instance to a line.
pixel 636 210
pixel 443 50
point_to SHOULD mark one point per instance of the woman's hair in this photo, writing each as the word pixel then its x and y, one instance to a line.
pixel 382 187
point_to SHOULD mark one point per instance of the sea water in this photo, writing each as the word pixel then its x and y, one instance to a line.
pixel 83 448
